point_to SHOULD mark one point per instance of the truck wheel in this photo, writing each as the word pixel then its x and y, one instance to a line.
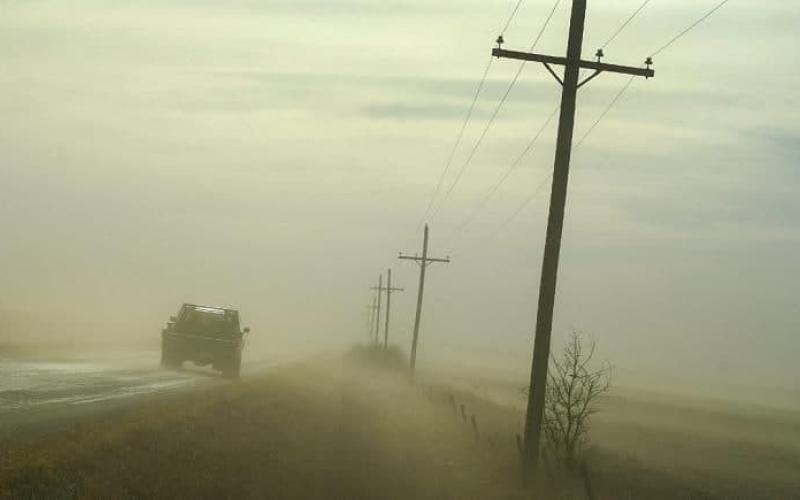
pixel 234 367
pixel 169 360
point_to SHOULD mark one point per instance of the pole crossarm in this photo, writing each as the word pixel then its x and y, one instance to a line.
pixel 599 67
pixel 423 259
pixel 384 289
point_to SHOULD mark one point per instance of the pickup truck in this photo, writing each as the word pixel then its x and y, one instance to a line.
pixel 204 335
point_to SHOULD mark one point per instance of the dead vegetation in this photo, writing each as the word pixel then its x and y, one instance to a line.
pixel 344 430
pixel 305 432
pixel 574 387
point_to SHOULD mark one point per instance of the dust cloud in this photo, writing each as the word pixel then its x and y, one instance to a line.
pixel 276 157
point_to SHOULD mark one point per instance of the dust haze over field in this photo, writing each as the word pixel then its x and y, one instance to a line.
pixel 276 156
pixel 257 155
pixel 342 428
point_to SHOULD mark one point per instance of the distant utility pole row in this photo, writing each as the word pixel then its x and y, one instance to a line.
pixel 389 290
pixel 375 309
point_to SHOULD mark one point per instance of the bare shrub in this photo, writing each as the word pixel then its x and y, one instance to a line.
pixel 574 386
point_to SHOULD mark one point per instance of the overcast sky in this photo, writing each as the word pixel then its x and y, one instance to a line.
pixel 277 155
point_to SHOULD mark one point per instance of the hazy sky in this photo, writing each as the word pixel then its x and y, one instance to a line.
pixel 277 155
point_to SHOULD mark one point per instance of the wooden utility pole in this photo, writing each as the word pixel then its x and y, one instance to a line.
pixel 389 291
pixel 371 316
pixel 547 287
pixel 378 307
pixel 423 262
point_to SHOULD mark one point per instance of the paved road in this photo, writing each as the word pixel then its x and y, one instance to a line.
pixel 37 395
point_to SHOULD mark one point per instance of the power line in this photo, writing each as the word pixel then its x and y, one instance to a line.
pixel 457 143
pixel 536 137
pixel 495 113
pixel 460 136
pixel 509 171
pixel 625 24
pixel 524 204
pixel 605 112
pixel 544 26
pixel 511 17
pixel 615 99
pixel 689 28
pixel 578 144
pixel 619 30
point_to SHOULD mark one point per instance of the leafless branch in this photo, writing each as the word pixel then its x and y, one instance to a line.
pixel 574 387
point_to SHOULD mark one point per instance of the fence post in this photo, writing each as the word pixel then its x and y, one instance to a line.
pixel 587 481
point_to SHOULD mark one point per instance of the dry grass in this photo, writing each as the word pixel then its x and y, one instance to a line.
pixel 310 432
pixel 360 429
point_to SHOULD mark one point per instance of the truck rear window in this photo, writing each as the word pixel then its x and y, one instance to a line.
pixel 209 320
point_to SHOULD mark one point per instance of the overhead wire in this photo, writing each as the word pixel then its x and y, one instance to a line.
pixel 613 36
pixel 459 138
pixel 493 190
pixel 577 146
pixel 625 24
pixel 466 121
pixel 610 105
pixel 524 204
pixel 689 28
pixel 600 118
pixel 495 113
pixel 511 17
pixel 616 99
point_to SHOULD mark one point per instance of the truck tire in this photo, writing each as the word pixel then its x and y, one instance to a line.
pixel 169 360
pixel 233 367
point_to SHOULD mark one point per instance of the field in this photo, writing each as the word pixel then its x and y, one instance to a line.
pixel 345 429
pixel 311 431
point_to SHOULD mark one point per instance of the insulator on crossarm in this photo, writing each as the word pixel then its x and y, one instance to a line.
pixel 648 62
pixel 600 54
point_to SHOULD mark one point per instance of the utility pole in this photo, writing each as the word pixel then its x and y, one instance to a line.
pixel 423 262
pixel 371 316
pixel 378 307
pixel 555 223
pixel 388 289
